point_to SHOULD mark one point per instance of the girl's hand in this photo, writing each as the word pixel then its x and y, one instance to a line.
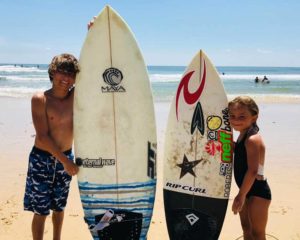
pixel 238 203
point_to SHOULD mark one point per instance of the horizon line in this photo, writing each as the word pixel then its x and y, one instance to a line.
pixel 152 65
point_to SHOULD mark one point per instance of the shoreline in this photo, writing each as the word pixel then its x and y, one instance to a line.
pixel 279 124
pixel 259 98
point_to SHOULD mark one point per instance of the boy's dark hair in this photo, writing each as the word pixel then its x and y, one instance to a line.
pixel 64 63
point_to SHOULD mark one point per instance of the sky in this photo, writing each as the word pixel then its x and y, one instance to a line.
pixel 169 32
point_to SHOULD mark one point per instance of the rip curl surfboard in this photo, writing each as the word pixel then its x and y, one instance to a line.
pixel 198 155
pixel 114 132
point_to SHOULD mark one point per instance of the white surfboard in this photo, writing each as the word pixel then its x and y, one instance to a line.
pixel 114 131
pixel 198 154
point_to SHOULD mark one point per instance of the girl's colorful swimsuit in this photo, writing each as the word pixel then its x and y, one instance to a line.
pixel 260 188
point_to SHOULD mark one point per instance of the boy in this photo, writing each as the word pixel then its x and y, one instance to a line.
pixel 51 161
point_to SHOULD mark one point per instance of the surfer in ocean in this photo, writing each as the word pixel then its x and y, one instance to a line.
pixel 51 165
pixel 254 197
pixel 265 80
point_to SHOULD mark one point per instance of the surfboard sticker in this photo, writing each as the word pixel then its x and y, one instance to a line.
pixel 198 152
pixel 114 131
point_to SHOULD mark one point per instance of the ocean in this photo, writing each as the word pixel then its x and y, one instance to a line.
pixel 22 80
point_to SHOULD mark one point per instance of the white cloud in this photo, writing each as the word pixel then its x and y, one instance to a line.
pixel 2 40
pixel 263 51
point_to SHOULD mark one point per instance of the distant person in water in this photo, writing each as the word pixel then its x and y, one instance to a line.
pixel 256 80
pixel 265 80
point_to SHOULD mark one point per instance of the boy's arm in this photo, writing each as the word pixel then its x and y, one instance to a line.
pixel 43 138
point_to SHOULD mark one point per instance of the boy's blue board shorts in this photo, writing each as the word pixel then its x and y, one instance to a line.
pixel 47 183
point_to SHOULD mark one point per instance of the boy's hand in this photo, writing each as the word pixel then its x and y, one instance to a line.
pixel 71 168
pixel 91 23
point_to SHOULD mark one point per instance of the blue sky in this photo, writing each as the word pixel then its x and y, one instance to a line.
pixel 231 32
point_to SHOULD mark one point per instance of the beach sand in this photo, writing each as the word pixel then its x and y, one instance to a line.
pixel 279 124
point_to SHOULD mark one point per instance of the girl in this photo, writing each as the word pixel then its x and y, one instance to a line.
pixel 254 197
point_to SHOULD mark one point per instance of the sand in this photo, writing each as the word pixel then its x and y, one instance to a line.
pixel 279 123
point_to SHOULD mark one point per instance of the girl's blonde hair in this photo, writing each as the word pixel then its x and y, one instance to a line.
pixel 247 102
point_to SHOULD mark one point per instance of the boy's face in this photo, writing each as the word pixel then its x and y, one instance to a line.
pixel 63 80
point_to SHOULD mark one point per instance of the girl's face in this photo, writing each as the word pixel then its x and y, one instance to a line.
pixel 240 117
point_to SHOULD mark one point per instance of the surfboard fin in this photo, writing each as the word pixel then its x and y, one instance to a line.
pixel 198 120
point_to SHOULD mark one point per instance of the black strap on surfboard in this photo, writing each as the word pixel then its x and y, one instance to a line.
pixel 123 225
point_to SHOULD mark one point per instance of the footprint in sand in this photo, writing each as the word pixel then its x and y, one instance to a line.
pixel 281 210
pixel 73 215
pixel 7 217
pixel 6 221
pixel 268 236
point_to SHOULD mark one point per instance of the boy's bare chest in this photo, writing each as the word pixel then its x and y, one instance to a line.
pixel 59 113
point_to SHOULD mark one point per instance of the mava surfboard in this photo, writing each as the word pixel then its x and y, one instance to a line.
pixel 114 132
pixel 198 155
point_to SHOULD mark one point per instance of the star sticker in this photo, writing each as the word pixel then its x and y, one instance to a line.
pixel 187 167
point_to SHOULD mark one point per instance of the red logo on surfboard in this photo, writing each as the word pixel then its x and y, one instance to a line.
pixel 190 98
pixel 212 148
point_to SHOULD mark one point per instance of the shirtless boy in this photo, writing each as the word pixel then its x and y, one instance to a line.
pixel 51 160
